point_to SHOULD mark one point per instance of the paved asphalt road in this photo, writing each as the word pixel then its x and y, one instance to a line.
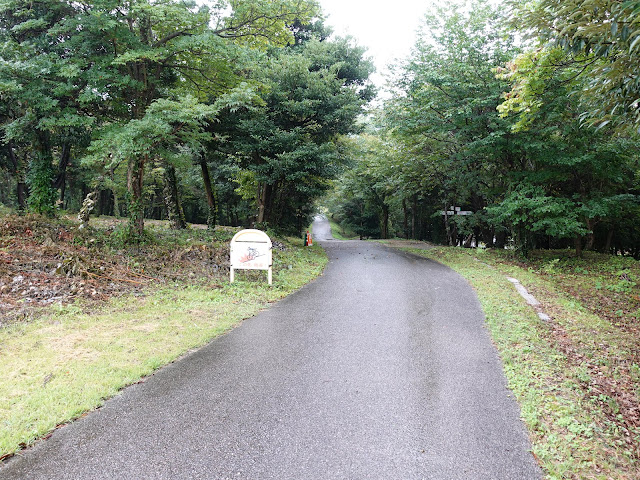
pixel 380 369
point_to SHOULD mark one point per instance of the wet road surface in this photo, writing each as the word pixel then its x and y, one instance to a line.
pixel 380 369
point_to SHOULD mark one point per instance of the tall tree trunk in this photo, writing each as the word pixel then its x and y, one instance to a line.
pixel 60 181
pixel 236 216
pixel 262 193
pixel 21 184
pixel 116 203
pixel 406 218
pixel 578 244
pixel 468 241
pixel 591 237
pixel 212 216
pixel 22 195
pixel 385 220
pixel 135 176
pixel 172 199
pixel 277 204
pixel 264 202
pixel 414 213
pixel 607 247
pixel 229 219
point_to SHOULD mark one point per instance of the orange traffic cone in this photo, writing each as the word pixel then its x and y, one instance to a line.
pixel 307 240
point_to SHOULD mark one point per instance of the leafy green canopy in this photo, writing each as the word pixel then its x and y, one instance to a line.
pixel 445 110
pixel 537 177
pixel 289 146
pixel 600 42
pixel 72 71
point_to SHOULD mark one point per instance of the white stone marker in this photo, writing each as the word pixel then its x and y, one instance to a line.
pixel 251 250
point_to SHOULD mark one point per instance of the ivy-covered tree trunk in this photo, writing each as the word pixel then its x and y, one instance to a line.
pixel 135 175
pixel 172 199
pixel 42 195
pixel 212 216
pixel 280 192
pixel 261 203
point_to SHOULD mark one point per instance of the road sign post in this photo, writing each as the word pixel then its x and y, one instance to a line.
pixel 455 211
pixel 251 250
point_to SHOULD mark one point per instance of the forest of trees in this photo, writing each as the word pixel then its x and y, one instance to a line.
pixel 526 116
pixel 228 114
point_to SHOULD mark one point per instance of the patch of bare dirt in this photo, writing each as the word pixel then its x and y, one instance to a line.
pixel 44 263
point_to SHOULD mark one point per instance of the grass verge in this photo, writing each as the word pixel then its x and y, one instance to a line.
pixel 67 362
pixel 577 377
pixel 340 233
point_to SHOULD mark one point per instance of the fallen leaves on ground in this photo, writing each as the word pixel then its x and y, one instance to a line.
pixel 46 263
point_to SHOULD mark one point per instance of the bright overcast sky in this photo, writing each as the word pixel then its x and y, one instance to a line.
pixel 387 29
